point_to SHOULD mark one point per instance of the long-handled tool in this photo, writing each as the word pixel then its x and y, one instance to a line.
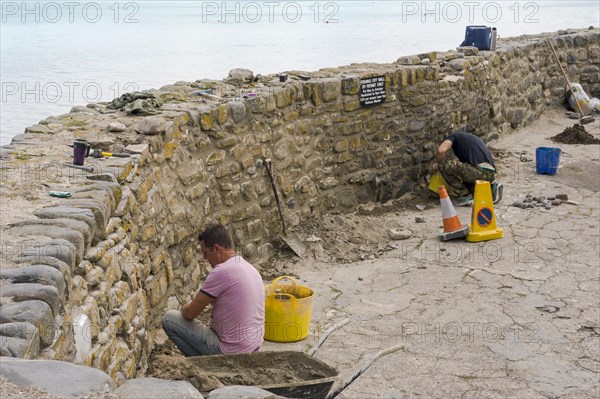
pixel 293 242
pixel 102 154
pixel 86 168
pixel 363 368
pixel 584 119
pixel 326 335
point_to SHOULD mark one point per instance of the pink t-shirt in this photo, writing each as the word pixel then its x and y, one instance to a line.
pixel 238 315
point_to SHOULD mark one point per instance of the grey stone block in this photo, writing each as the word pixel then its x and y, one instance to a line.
pixel 43 260
pixel 28 291
pixel 452 55
pixel 242 74
pixel 58 378
pixel 19 347
pixel 98 193
pixel 59 212
pixel 60 249
pixel 399 234
pixel 351 85
pixel 409 60
pixel 238 110
pixel 151 126
pixel 332 89
pixel 17 330
pixel 5 152
pixel 73 224
pixel 416 125
pixel 468 50
pixel 37 313
pixel 52 231
pixel 121 207
pixel 459 64
pixel 19 340
pixel 106 176
pixel 116 127
pixel 113 187
pixel 84 109
pixel 38 129
pixel 141 148
pixel 154 388
pixel 100 210
pixel 40 274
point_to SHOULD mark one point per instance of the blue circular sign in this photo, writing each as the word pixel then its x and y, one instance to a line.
pixel 484 217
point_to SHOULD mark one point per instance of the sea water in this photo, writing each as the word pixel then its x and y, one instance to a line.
pixel 55 55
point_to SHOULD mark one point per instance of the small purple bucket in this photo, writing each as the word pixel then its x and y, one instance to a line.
pixel 81 149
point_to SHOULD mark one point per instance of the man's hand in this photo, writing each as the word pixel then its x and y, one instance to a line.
pixel 193 308
pixel 434 167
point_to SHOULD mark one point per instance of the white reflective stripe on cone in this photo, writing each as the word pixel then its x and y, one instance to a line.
pixel 448 210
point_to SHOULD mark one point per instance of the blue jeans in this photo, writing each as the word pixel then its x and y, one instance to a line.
pixel 191 336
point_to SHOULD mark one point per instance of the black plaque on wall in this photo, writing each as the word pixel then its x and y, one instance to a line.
pixel 372 91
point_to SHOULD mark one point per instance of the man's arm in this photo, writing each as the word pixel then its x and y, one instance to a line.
pixel 193 308
pixel 442 150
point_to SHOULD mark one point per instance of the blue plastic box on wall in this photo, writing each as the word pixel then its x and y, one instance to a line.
pixel 478 36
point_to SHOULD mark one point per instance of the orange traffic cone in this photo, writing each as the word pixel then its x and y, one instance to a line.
pixel 452 227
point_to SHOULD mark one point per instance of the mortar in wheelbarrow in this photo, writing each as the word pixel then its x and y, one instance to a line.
pixel 286 373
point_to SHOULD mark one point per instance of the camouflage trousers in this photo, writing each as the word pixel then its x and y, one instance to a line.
pixel 461 177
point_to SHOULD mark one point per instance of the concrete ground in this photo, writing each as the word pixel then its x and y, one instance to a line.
pixel 517 317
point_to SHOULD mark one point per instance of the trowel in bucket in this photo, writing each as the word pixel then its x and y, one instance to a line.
pixel 290 239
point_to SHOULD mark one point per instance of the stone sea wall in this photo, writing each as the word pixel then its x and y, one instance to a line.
pixel 87 278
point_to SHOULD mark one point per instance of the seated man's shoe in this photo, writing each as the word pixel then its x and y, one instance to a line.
pixel 497 191
pixel 467 200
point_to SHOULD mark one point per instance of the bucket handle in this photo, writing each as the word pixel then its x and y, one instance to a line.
pixel 566 154
pixel 278 295
pixel 276 281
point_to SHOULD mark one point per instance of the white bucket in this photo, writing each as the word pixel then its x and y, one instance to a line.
pixel 576 94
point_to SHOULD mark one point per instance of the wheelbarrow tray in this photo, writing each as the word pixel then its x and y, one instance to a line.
pixel 290 374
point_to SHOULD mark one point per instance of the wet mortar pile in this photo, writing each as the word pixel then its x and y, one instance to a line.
pixel 575 135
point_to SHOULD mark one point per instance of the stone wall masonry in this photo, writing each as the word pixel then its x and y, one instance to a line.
pixel 123 249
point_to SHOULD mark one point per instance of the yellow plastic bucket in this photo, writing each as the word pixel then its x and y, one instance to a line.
pixel 288 308
pixel 436 181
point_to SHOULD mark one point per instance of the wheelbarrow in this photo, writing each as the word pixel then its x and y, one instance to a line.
pixel 291 374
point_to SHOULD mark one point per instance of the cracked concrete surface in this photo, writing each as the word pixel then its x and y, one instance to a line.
pixel 511 318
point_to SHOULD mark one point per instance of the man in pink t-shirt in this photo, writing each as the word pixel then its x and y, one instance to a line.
pixel 235 290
